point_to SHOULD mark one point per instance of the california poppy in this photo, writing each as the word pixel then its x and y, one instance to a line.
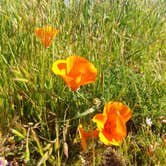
pixel 46 35
pixel 112 123
pixel 75 71
pixel 84 135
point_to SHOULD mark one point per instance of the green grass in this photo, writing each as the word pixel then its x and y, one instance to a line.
pixel 125 40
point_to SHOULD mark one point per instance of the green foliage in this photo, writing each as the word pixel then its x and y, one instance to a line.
pixel 125 40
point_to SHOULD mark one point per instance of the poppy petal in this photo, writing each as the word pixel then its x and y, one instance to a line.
pixel 83 135
pixel 100 120
pixel 59 67
pixel 79 66
pixel 83 139
pixel 78 71
pixel 126 113
pixel 120 129
pixel 112 123
pixel 46 34
pixel 39 32
pixel 106 141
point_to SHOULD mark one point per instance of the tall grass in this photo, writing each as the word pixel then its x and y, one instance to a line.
pixel 125 40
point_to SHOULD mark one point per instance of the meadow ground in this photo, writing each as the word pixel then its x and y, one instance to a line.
pixel 39 114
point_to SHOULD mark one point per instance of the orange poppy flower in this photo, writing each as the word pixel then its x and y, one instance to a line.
pixel 112 123
pixel 46 35
pixel 75 71
pixel 84 135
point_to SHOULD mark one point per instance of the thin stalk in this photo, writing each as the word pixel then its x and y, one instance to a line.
pixel 58 145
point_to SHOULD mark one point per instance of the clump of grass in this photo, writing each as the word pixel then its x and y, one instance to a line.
pixel 126 42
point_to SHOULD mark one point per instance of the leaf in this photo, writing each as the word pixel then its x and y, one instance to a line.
pixel 20 79
pixel 27 152
pixel 17 133
pixel 35 137
pixel 45 157
pixel 87 112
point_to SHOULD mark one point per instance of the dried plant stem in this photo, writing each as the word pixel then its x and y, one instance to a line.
pixel 58 145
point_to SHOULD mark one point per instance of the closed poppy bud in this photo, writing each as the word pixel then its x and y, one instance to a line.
pixel 46 35
pixel 75 71
pixel 112 123
pixel 65 149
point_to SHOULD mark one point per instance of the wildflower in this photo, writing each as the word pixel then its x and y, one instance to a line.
pixel 67 3
pixel 46 35
pixel 162 119
pixel 151 149
pixel 75 71
pixel 84 135
pixel 3 162
pixel 148 121
pixel 112 123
